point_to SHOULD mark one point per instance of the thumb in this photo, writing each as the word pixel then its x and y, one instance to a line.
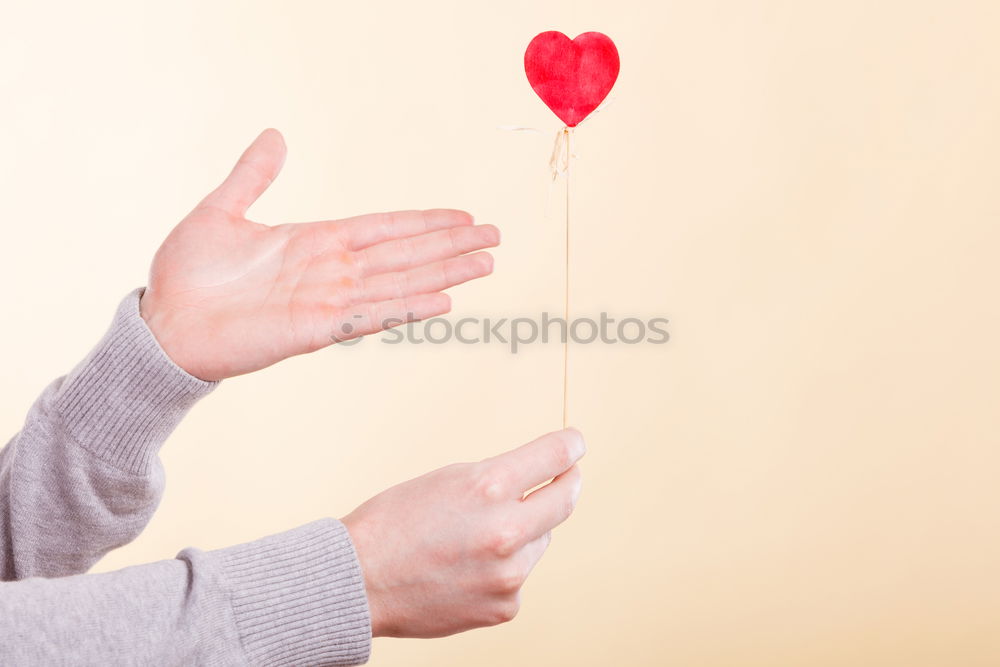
pixel 254 172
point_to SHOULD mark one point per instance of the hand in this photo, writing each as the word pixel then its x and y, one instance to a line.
pixel 449 551
pixel 227 296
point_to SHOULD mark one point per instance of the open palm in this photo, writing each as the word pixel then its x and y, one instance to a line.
pixel 228 296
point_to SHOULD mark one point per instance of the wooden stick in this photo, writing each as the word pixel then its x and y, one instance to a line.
pixel 566 341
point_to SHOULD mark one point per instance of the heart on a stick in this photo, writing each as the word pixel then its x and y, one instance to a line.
pixel 572 76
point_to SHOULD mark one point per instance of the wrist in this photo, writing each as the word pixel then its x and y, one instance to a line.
pixel 127 396
pixel 164 329
pixel 376 606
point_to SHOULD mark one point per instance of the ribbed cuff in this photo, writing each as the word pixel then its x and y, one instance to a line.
pixel 299 597
pixel 127 396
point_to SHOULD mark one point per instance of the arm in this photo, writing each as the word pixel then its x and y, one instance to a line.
pixel 226 296
pixel 296 598
pixel 82 477
pixel 439 554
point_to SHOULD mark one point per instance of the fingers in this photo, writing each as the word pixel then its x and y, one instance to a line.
pixel 406 253
pixel 366 230
pixel 552 504
pixel 254 172
pixel 540 460
pixel 370 318
pixel 532 552
pixel 433 277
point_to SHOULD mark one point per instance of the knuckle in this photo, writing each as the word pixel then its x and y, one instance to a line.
pixel 400 285
pixel 489 486
pixel 372 313
pixel 563 453
pixel 567 509
pixel 506 611
pixel 363 260
pixel 445 276
pixel 405 250
pixel 504 540
pixel 508 579
pixel 561 459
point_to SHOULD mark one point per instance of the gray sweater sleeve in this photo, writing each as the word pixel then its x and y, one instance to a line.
pixel 83 477
pixel 296 598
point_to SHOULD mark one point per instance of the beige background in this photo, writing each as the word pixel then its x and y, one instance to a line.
pixel 805 475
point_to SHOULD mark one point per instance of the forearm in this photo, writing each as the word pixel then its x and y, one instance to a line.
pixel 289 599
pixel 82 477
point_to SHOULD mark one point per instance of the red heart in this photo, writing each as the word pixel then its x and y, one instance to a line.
pixel 571 76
